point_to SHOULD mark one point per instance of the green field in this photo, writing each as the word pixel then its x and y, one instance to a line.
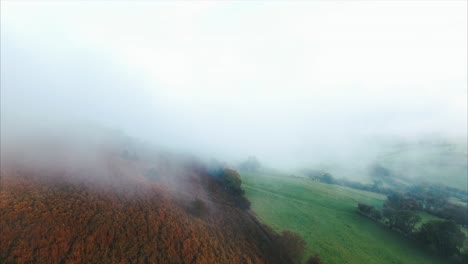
pixel 325 216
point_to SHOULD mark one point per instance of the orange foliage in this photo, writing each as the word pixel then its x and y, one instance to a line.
pixel 59 221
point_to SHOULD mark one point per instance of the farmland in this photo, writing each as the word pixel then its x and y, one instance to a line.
pixel 325 216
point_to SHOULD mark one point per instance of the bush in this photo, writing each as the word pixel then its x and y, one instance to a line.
pixel 314 260
pixel 231 182
pixel 292 245
pixel 370 211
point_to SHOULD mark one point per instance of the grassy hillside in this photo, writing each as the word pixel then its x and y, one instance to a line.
pixel 325 215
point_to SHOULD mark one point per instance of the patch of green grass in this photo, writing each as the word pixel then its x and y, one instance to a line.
pixel 326 217
pixel 425 217
pixel 457 201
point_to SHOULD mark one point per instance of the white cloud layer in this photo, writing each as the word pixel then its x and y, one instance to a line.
pixel 276 79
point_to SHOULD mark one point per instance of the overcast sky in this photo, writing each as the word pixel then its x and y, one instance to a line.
pixel 279 80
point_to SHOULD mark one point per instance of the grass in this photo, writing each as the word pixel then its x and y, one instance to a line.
pixel 457 201
pixel 325 216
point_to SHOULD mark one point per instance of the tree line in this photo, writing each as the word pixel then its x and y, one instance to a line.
pixel 432 199
pixel 442 236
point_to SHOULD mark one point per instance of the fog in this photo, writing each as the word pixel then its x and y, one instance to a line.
pixel 295 84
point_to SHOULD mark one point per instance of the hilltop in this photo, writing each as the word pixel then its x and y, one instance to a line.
pixel 131 205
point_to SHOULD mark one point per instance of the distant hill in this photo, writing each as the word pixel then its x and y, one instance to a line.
pixel 132 207
pixel 435 161
pixel 430 160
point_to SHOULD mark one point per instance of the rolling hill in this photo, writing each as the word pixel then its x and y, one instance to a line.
pixel 325 216
pixel 132 207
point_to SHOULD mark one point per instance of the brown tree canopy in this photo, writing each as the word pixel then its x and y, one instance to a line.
pixel 128 217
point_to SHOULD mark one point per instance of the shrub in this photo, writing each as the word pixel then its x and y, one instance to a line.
pixel 292 245
pixel 314 260
pixel 370 211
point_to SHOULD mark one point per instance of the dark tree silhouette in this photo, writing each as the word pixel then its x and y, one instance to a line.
pixel 444 236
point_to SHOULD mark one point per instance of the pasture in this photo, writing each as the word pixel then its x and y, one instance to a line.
pixel 326 217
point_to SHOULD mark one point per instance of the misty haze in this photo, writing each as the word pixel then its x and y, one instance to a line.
pixel 234 132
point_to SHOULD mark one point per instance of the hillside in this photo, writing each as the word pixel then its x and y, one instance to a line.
pixel 436 161
pixel 432 160
pixel 147 209
pixel 325 216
